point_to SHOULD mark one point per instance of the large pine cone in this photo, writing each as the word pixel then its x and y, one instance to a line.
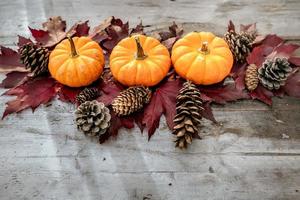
pixel 251 77
pixel 93 118
pixel 131 100
pixel 35 59
pixel 240 44
pixel 87 94
pixel 187 118
pixel 273 74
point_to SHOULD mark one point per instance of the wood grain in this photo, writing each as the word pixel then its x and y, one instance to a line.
pixel 253 153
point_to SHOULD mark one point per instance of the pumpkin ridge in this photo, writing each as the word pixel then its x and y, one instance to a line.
pixel 62 68
pixel 195 60
pixel 91 70
pixel 156 66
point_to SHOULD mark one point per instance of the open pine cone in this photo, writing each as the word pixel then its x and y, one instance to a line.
pixel 131 100
pixel 87 94
pixel 274 73
pixel 187 118
pixel 35 59
pixel 93 118
pixel 240 44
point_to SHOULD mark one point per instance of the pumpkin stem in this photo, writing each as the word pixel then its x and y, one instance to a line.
pixel 140 54
pixel 204 48
pixel 73 49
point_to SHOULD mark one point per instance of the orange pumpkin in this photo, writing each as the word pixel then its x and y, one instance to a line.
pixel 139 60
pixel 202 58
pixel 76 62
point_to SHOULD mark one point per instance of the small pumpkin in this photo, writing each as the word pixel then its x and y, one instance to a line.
pixel 202 58
pixel 76 62
pixel 139 60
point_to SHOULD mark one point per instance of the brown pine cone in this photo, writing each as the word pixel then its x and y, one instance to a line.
pixel 251 77
pixel 187 118
pixel 35 59
pixel 87 94
pixel 240 44
pixel 131 100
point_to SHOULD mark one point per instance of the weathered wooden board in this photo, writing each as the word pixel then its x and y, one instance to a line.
pixel 254 153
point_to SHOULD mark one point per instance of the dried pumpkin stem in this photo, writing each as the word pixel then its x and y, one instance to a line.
pixel 204 48
pixel 140 54
pixel 73 49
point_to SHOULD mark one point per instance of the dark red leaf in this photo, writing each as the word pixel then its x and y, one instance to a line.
pixel 262 94
pixel 163 101
pixel 259 54
pixel 272 40
pixel 13 79
pixel 207 112
pixel 292 85
pixel 80 29
pixel 30 94
pixel 139 29
pixel 116 124
pixel 295 61
pixel 67 94
pixel 110 90
pixel 10 60
pixel 53 32
pixel 239 77
pixel 286 49
pixel 231 26
pixel 222 94
pixel 22 41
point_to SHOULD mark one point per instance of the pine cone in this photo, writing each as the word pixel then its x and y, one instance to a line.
pixel 273 74
pixel 251 77
pixel 35 59
pixel 187 118
pixel 131 100
pixel 93 118
pixel 87 94
pixel 240 44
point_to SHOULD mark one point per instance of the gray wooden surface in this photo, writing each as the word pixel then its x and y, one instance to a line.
pixel 253 154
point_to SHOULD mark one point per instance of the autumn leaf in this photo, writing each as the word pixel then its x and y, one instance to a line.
pixel 207 112
pixel 22 41
pixel 30 95
pixel 80 29
pixel 163 101
pixel 13 79
pixel 10 60
pixel 168 38
pixel 139 29
pixel 292 85
pixel 222 93
pixel 110 90
pixel 67 94
pixel 262 94
pixel 116 124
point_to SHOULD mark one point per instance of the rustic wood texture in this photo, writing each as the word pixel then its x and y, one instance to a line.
pixel 254 152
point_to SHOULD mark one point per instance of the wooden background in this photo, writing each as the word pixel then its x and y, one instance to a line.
pixel 254 153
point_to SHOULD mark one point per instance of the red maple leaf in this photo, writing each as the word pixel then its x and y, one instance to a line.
pixel 30 94
pixel 262 94
pixel 163 101
pixel 10 60
pixel 168 38
pixel 54 31
pixel 116 124
pixel 110 90
pixel 292 85
pixel 67 94
pixel 13 79
pixel 222 93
